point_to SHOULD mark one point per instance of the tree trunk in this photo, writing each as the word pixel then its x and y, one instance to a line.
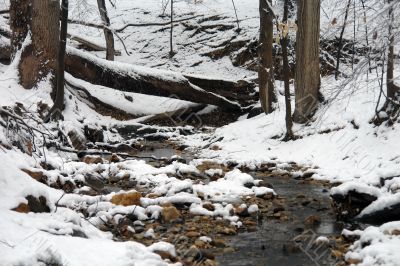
pixel 20 15
pixel 143 80
pixel 107 33
pixel 58 106
pixel 286 75
pixel 41 17
pixel 307 74
pixel 171 33
pixel 391 87
pixel 266 71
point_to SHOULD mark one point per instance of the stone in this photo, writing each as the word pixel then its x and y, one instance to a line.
pixel 249 184
pixel 209 206
pixel 200 244
pixel 68 186
pixel 278 209
pixel 37 175
pixel 152 196
pixel 192 234
pixel 395 232
pixel 201 195
pixel 351 204
pixel 312 220
pixel 249 223
pixel 89 159
pixel 170 214
pixel 226 230
pixel 22 208
pixel 229 250
pixel 115 158
pixel 242 211
pixel 264 183
pixel 209 262
pixel 268 196
pixel 77 139
pixel 37 205
pixel 127 231
pixel 93 134
pixel 351 261
pixel 219 243
pixel 127 199
pixel 165 255
pixel 94 181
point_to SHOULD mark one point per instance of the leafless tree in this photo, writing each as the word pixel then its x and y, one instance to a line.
pixel 266 67
pixel 307 74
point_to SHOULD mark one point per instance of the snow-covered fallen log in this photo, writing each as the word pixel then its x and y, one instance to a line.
pixel 130 78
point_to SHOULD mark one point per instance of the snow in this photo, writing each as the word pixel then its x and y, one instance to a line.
pixel 340 145
pixel 253 208
pixel 28 239
pixel 377 245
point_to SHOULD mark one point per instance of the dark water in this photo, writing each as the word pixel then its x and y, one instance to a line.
pixel 274 243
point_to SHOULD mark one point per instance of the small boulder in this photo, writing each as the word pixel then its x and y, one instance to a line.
pixel 192 234
pixel 209 206
pixel 37 175
pixel 127 199
pixel 170 214
pixel 89 159
pixel 22 208
pixel 312 220
pixel 37 204
pixel 93 134
pixel 77 139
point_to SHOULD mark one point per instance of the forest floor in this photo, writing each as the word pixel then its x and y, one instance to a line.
pixel 223 189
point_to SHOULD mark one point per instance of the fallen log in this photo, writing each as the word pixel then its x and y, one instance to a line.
pixel 100 107
pixel 88 45
pixel 229 95
pixel 130 78
pixel 240 91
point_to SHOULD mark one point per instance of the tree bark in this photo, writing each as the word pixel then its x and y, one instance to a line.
pixel 58 106
pixel 307 74
pixel 266 70
pixel 20 16
pixel 38 58
pixel 286 75
pixel 107 32
pixel 391 87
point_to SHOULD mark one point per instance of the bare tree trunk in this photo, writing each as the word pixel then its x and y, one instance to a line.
pixel 38 59
pixel 266 69
pixel 58 106
pixel 20 15
pixel 171 45
pixel 286 76
pixel 307 76
pixel 107 32
pixel 391 87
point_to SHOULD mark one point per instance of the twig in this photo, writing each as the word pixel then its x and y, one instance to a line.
pixel 59 201
pixel 16 117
